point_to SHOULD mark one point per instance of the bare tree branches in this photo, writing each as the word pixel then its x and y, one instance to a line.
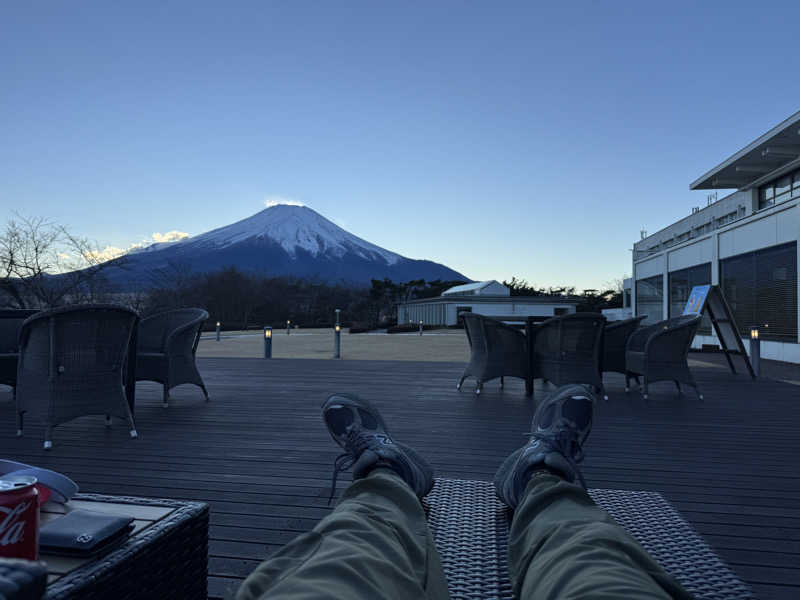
pixel 43 265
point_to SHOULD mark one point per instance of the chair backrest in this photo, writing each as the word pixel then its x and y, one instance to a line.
pixel 616 333
pixel 497 349
pixel 476 333
pixel 568 348
pixel 672 338
pixel 155 330
pixel 575 334
pixel 75 343
pixel 10 325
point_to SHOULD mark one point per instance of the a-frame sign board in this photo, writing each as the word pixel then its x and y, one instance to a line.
pixel 708 299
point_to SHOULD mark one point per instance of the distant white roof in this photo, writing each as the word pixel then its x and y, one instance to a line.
pixel 469 289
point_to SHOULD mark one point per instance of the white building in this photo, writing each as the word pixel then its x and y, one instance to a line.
pixel 488 298
pixel 745 242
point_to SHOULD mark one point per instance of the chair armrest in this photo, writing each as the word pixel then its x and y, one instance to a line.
pixel 182 340
pixel 671 344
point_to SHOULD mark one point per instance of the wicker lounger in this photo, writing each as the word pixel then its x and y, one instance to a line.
pixel 471 530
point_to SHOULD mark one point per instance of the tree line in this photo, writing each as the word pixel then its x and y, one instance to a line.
pixel 42 265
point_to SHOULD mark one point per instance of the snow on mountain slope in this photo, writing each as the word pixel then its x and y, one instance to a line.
pixel 282 240
pixel 294 227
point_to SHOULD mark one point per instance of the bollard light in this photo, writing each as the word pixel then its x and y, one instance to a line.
pixel 755 351
pixel 267 342
pixel 288 327
pixel 337 341
pixel 217 330
pixel 420 326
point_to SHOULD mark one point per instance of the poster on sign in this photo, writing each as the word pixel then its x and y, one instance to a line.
pixel 697 300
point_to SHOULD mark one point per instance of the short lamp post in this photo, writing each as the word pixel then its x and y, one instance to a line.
pixel 267 342
pixel 420 326
pixel 755 351
pixel 217 330
pixel 337 335
pixel 288 327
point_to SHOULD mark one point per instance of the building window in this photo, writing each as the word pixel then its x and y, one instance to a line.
pixel 680 286
pixel 782 189
pixel 650 298
pixel 761 289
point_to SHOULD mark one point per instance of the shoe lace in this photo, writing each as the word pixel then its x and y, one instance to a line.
pixel 355 443
pixel 567 445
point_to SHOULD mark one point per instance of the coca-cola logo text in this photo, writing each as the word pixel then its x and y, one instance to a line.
pixel 12 530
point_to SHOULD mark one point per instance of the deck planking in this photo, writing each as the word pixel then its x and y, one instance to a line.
pixel 260 456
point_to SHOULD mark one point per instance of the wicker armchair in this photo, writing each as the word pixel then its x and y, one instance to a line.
pixel 497 350
pixel 22 579
pixel 568 349
pixel 72 363
pixel 167 344
pixel 10 325
pixel 660 352
pixel 615 340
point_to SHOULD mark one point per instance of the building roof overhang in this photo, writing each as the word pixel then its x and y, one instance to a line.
pixel 769 153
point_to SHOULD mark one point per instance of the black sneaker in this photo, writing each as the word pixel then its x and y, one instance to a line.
pixel 558 431
pixel 358 427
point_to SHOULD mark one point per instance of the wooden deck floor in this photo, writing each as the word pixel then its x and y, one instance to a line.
pixel 260 456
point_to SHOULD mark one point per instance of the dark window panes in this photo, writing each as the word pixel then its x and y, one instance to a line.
pixel 680 286
pixel 783 185
pixel 761 289
pixel 765 196
pixel 650 298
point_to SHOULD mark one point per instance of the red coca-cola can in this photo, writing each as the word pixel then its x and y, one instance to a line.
pixel 19 517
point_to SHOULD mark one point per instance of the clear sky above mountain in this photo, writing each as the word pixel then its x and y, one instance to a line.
pixel 500 139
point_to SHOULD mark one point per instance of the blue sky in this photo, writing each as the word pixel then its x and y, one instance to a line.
pixel 527 139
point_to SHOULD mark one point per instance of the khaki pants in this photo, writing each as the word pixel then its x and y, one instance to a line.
pixel 376 544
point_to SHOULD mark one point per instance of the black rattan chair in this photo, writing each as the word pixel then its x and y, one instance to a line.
pixel 10 325
pixel 660 352
pixel 22 579
pixel 72 362
pixel 167 343
pixel 497 350
pixel 568 349
pixel 615 341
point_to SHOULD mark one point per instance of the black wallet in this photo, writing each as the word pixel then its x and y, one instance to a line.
pixel 83 533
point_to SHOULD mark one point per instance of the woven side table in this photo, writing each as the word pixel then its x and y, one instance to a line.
pixel 471 530
pixel 165 557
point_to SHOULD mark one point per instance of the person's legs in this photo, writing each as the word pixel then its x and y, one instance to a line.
pixel 376 543
pixel 561 544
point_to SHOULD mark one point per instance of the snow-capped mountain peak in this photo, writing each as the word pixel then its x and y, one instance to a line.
pixel 281 240
pixel 294 227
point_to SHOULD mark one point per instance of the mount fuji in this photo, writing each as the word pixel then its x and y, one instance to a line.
pixel 282 240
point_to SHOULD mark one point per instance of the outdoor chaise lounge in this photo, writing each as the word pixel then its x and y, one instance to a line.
pixel 497 350
pixel 72 363
pixel 167 343
pixel 568 349
pixel 660 352
pixel 10 325
pixel 615 341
